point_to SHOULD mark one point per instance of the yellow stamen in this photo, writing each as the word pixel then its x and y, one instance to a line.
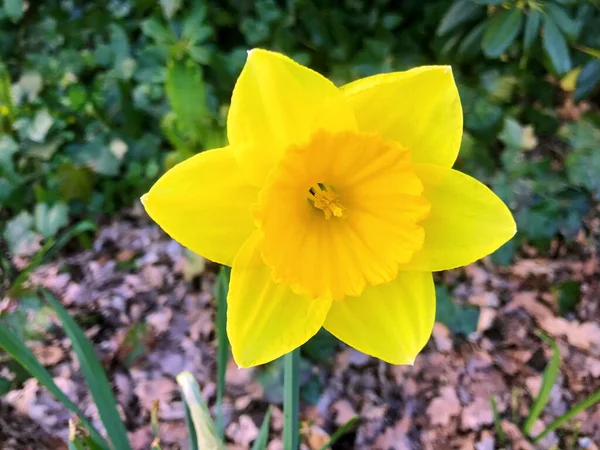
pixel 323 197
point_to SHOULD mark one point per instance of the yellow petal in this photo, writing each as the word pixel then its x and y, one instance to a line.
pixel 419 108
pixel 276 103
pixel 266 320
pixel 204 204
pixel 391 321
pixel 467 221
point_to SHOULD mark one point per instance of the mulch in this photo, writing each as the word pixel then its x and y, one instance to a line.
pixel 149 312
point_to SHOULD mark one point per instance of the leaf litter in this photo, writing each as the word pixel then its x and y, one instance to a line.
pixel 149 311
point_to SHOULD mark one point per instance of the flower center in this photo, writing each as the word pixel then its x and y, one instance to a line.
pixel 324 197
pixel 339 213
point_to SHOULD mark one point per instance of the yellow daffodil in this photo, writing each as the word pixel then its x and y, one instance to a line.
pixel 333 206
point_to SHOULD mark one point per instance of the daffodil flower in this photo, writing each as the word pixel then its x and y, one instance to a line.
pixel 333 206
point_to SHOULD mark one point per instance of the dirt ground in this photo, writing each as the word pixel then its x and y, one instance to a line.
pixel 149 313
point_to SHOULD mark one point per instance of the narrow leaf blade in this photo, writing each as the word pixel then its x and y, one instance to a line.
pixel 532 28
pixel 548 380
pixel 263 434
pixel 222 343
pixel 94 375
pixel 345 428
pixel 205 428
pixel 588 80
pixel 459 13
pixel 579 407
pixel 501 32
pixel 556 48
pixel 11 344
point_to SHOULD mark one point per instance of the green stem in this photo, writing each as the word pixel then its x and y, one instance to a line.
pixel 291 399
pixel 222 344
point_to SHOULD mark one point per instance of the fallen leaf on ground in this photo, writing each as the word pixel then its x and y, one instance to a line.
pixel 476 415
pixel 443 408
pixel 242 432
pixel 48 355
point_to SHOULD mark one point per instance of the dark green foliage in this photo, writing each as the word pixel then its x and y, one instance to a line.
pixel 98 99
pixel 459 319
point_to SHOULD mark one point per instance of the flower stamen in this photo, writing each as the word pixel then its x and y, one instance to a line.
pixel 324 197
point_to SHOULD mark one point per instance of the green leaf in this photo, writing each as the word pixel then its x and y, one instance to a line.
pixel 574 411
pixel 5 385
pixel 459 319
pixel 548 381
pixel 567 25
pixel 155 30
pixel 76 444
pixel 581 134
pixel 39 127
pixel 321 347
pixel 588 80
pixel 469 46
pixel 222 343
pixel 500 87
pixel 15 347
pixel 593 52
pixel 460 12
pixel 583 167
pixel 170 7
pixel 189 425
pixel 501 31
pixel 74 182
pixel 50 219
pixel 187 95
pixel 569 294
pixel 345 428
pixel 6 101
pixel 14 9
pixel 555 47
pixel 19 235
pixel 516 136
pixel 94 374
pixel 583 160
pixel 194 27
pixel 532 28
pixel 45 150
pixel 8 147
pixel 262 439
pixel 203 425
pixel 97 155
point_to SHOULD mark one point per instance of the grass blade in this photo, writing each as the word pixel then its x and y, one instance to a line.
pixel 497 421
pixel 206 435
pixel 263 435
pixel 222 343
pixel 79 439
pixel 345 428
pixel 94 374
pixel 559 421
pixel 548 380
pixel 291 399
pixel 189 424
pixel 19 351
